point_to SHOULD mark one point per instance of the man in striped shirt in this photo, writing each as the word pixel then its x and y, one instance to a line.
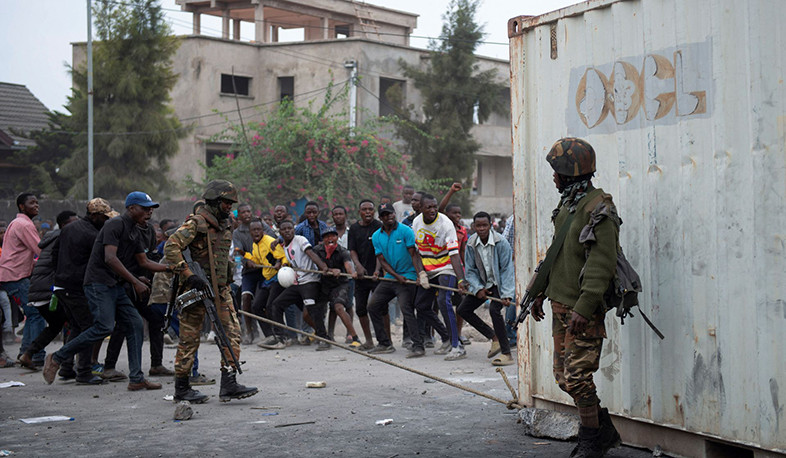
pixel 438 263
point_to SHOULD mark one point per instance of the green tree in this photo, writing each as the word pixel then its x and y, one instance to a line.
pixel 453 90
pixel 136 130
pixel 44 160
pixel 310 153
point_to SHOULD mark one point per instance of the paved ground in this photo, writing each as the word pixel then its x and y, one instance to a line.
pixel 429 419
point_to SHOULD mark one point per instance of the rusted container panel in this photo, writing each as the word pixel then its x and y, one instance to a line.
pixel 684 102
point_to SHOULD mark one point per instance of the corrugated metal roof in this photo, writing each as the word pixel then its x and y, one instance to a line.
pixel 22 111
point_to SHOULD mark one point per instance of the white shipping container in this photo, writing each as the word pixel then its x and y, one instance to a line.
pixel 684 103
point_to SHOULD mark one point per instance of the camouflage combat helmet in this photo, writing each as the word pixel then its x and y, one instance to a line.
pixel 220 189
pixel 572 157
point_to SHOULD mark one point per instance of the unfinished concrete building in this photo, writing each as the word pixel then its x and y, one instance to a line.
pixel 243 75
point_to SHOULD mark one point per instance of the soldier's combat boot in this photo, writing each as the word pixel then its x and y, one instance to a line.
pixel 230 389
pixel 184 392
pixel 589 444
pixel 609 437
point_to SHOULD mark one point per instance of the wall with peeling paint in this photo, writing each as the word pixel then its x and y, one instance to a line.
pixel 685 104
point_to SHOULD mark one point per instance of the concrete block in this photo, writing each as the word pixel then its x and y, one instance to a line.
pixel 549 424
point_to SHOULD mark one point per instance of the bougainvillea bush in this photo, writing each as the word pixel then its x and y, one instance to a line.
pixel 307 152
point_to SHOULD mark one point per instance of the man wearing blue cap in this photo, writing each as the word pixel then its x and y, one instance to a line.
pixel 117 246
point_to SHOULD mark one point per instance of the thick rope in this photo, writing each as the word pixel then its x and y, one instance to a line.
pixel 393 280
pixel 509 404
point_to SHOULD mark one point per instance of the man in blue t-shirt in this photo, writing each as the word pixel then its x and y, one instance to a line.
pixel 394 246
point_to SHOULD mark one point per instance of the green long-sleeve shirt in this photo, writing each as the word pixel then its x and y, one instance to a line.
pixel 564 287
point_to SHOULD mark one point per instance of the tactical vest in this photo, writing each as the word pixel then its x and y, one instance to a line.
pixel 222 242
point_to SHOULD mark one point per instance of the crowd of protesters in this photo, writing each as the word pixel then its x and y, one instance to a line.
pixel 102 274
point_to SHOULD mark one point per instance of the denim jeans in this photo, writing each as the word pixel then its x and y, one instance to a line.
pixel 106 303
pixel 34 322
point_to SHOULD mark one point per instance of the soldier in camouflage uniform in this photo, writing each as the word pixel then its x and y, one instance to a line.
pixel 577 280
pixel 210 223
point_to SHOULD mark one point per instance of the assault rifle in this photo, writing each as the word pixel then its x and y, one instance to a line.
pixel 534 289
pixel 206 296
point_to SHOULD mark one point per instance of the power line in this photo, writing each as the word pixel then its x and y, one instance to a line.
pixel 185 128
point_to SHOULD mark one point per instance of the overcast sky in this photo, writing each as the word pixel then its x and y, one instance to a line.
pixel 36 35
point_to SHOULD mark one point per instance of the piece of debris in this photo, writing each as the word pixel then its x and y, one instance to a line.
pixel 462 371
pixel 11 384
pixel 183 411
pixel 657 451
pixel 316 384
pixel 384 422
pixel 266 407
pixel 541 443
pixel 336 359
pixel 258 422
pixel 270 414
pixel 429 380
pixel 5 452
pixel 549 424
pixel 34 420
pixel 284 425
pixel 169 397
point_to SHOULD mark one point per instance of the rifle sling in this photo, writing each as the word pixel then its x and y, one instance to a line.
pixel 212 263
pixel 541 281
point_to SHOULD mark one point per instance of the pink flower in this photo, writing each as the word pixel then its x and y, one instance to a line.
pixel 320 198
pixel 302 189
pixel 364 143
pixel 257 137
pixel 279 186
pixel 243 189
pixel 230 155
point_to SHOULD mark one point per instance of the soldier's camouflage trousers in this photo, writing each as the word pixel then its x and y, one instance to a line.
pixel 576 358
pixel 191 322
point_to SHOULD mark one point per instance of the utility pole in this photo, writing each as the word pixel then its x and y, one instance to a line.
pixel 353 94
pixel 89 101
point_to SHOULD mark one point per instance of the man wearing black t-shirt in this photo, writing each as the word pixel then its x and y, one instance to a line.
pixel 362 251
pixel 117 245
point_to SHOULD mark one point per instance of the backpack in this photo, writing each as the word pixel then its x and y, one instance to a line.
pixel 624 288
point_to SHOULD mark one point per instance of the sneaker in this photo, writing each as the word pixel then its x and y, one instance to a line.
pixel 465 340
pixel 355 344
pixel 503 360
pixel 90 380
pixel 443 349
pixel 288 341
pixel 303 340
pixel 200 379
pixel 97 369
pixel 322 346
pixel 144 385
pixel 5 361
pixel 429 343
pixel 456 353
pixel 367 346
pixel 407 344
pixel 168 340
pixel 114 375
pixel 382 349
pixel 416 353
pixel 68 374
pixel 272 343
pixel 348 339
